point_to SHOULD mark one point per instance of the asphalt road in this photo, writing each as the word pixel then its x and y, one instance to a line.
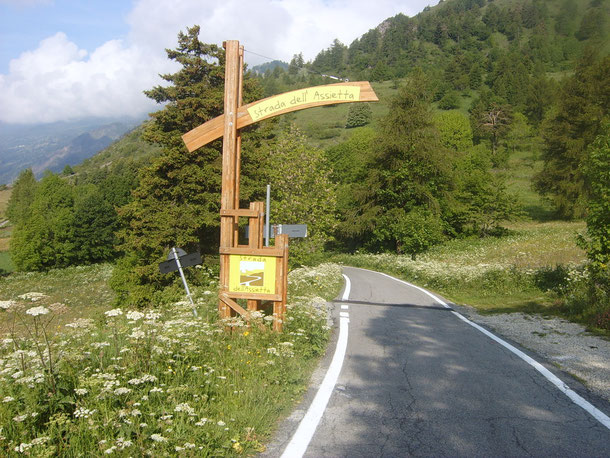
pixel 419 381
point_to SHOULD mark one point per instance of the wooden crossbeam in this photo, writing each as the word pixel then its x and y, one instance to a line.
pixel 300 99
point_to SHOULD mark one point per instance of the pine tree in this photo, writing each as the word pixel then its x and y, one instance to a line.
pixel 409 170
pixel 177 201
pixel 583 102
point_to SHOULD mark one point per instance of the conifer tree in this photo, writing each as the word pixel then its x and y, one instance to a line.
pixel 583 102
pixel 177 201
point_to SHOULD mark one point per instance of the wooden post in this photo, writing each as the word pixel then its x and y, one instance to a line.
pixel 229 161
pixel 279 307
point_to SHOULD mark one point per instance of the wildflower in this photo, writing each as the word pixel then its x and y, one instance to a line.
pixel 201 422
pixel 33 297
pixel 221 423
pixel 6 304
pixel 152 315
pixel 122 390
pixel 137 334
pixel 189 445
pixel 110 450
pixel 158 438
pixel 81 412
pixel 8 399
pixel 134 315
pixel 156 390
pixel 113 312
pixel 184 407
pixel 23 447
pixel 80 391
pixel 36 311
pixel 20 418
pixel 80 323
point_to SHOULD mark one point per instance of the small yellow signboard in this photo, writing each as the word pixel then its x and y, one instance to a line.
pixel 252 274
pixel 312 95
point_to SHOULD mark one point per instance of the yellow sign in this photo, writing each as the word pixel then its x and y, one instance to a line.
pixel 292 99
pixel 252 274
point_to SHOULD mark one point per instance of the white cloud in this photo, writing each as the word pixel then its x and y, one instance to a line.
pixel 59 81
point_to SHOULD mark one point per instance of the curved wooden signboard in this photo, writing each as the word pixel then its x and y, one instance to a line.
pixel 358 91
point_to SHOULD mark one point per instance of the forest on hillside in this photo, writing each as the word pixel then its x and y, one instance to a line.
pixel 469 83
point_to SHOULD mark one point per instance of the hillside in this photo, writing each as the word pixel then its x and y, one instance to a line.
pixel 55 145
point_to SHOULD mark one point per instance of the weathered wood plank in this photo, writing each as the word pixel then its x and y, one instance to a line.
pixel 213 129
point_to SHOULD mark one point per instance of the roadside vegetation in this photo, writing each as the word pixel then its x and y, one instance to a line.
pixel 80 378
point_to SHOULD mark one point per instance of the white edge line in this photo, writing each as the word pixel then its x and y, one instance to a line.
pixel 576 398
pixel 348 287
pixel 301 438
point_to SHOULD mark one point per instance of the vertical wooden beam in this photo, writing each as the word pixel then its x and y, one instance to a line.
pixel 229 147
pixel 281 285
pixel 238 140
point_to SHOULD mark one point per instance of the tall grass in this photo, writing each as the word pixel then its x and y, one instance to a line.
pixel 494 274
pixel 153 382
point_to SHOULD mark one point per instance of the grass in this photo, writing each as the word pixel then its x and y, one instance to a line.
pixel 495 275
pixel 6 264
pixel 157 381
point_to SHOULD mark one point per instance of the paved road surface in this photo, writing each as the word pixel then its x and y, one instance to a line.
pixel 418 381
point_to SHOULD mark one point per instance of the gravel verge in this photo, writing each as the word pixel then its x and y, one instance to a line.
pixel 566 344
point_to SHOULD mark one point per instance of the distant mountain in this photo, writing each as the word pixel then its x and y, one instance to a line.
pixel 55 145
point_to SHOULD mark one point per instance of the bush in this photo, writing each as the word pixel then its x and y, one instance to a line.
pixel 360 114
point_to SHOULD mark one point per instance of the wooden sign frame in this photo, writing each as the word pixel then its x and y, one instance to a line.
pixel 236 117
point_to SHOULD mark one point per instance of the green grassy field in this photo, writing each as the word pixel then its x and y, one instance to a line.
pixel 493 274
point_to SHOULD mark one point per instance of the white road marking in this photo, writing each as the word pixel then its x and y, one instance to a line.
pixel 345 307
pixel 348 287
pixel 300 441
pixel 576 398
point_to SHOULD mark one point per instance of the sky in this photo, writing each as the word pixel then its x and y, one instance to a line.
pixel 64 60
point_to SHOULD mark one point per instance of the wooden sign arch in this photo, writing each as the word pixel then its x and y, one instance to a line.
pixel 257 263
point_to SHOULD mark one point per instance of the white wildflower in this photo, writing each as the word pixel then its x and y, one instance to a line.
pixel 184 407
pixel 121 390
pixel 201 422
pixel 33 296
pixel 134 315
pixel 80 323
pixel 8 399
pixel 6 304
pixel 80 391
pixel 113 312
pixel 23 447
pixel 20 418
pixel 221 423
pixel 81 412
pixel 137 334
pixel 36 311
pixel 158 438
pixel 110 450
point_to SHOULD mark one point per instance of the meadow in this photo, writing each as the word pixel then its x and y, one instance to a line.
pixel 526 270
pixel 79 378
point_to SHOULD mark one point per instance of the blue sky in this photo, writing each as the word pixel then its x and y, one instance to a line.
pixel 69 59
pixel 89 23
